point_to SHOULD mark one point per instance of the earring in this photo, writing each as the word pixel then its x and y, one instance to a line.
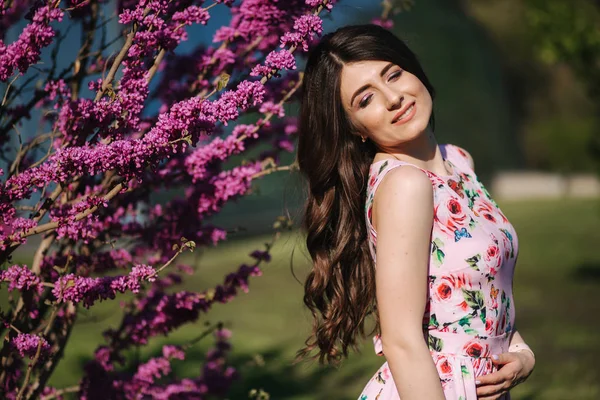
pixel 364 139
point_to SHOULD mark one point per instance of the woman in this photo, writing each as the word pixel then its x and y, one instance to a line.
pixel 423 247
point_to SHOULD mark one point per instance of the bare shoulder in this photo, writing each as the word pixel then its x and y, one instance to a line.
pixel 405 181
pixel 466 155
pixel 403 191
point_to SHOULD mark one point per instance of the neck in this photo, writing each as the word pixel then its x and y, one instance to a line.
pixel 423 148
pixel 423 152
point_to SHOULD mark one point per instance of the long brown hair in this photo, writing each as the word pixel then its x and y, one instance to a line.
pixel 340 289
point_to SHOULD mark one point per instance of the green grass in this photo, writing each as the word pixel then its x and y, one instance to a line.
pixel 556 286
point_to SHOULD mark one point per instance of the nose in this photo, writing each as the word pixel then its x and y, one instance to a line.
pixel 393 98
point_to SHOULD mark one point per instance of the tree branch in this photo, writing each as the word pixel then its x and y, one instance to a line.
pixel 107 82
pixel 53 225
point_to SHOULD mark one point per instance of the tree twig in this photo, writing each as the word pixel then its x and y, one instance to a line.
pixel 60 392
pixel 30 368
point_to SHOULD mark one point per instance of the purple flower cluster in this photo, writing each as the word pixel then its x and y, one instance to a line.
pixel 282 59
pixel 226 185
pixel 84 229
pixel 159 313
pixel 89 290
pixel 26 50
pixel 192 15
pixel 275 60
pixel 10 12
pixel 307 25
pixel 187 118
pixel 228 3
pixel 386 23
pixel 214 379
pixel 316 3
pixel 271 107
pixel 219 149
pixel 97 262
pixel 57 89
pixel 21 278
pixel 154 369
pixel 27 345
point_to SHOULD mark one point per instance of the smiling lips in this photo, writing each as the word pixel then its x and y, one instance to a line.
pixel 405 114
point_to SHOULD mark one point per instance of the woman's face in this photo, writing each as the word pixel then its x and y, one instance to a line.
pixel 374 92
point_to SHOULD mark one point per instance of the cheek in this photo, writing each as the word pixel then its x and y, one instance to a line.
pixel 372 118
pixel 426 98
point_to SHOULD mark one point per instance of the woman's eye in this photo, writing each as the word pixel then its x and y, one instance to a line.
pixel 365 101
pixel 395 75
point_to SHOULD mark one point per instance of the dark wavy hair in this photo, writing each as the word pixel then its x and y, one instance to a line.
pixel 340 289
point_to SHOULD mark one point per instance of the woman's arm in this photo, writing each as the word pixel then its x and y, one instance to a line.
pixel 403 215
pixel 515 339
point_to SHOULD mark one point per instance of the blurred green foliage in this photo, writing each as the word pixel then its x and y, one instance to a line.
pixel 568 31
pixel 551 54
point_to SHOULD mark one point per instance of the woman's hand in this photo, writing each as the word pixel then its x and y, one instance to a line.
pixel 514 368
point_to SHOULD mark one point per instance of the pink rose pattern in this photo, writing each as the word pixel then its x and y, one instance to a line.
pixel 470 314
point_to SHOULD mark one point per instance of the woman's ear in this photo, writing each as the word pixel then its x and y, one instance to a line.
pixel 362 136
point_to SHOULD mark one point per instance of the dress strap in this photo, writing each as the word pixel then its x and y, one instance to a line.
pixel 456 155
pixel 381 171
pixel 378 172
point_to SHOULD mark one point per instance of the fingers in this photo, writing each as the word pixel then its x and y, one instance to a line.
pixel 493 378
pixel 492 392
pixel 493 386
pixel 493 397
pixel 504 358
pixel 509 366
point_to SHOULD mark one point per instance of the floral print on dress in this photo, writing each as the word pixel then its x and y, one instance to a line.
pixel 470 313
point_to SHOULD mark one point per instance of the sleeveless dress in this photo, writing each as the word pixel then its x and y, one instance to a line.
pixel 470 312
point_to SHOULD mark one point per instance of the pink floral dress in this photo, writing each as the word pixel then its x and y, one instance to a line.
pixel 470 313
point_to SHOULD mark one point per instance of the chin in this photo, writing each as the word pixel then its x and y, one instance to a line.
pixel 415 128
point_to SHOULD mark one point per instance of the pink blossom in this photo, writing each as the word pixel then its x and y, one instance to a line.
pixel 170 351
pixel 153 369
pixel 314 3
pixel 89 290
pixel 57 88
pixel 26 50
pixel 385 23
pixel 308 24
pixel 281 59
pixel 27 345
pixel 271 107
pixel 21 278
pixel 192 15
pixel 226 185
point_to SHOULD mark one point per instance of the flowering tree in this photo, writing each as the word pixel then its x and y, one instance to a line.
pixel 82 185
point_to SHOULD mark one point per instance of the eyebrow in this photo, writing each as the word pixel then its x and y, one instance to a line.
pixel 368 85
